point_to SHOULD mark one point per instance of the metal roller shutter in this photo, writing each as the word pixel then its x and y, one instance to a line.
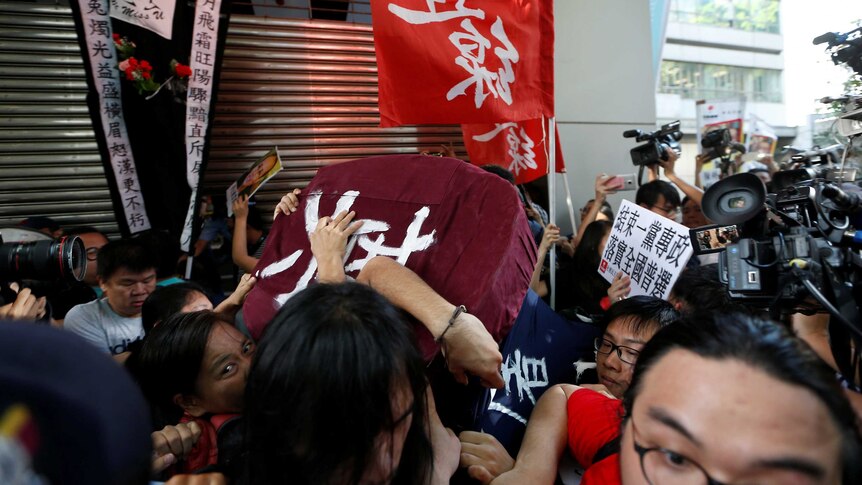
pixel 49 162
pixel 306 86
pixel 310 88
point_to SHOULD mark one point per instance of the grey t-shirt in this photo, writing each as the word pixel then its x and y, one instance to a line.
pixel 97 323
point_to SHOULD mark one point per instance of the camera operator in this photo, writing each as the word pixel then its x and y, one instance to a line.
pixel 692 192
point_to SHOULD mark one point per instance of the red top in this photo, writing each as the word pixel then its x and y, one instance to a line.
pixel 594 420
pixel 205 451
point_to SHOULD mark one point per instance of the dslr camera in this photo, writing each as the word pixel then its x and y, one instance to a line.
pixel 30 255
pixel 653 151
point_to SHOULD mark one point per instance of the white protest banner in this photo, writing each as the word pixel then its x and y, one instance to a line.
pixel 199 101
pixel 715 115
pixel 651 249
pixel 106 80
pixel 154 15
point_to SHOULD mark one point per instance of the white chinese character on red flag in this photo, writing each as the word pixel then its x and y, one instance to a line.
pixel 472 46
pixel 464 61
pixel 518 147
pixel 432 15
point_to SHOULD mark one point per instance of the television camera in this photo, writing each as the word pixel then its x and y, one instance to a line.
pixel 797 249
pixel 844 48
pixel 719 144
pixel 657 142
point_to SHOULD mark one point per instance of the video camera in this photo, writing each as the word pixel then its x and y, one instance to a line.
pixel 844 48
pixel 667 137
pixel 789 246
pixel 719 144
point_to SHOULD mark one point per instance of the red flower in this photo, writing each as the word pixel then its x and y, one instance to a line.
pixel 116 37
pixel 183 70
pixel 146 66
pixel 130 74
pixel 146 74
pixel 133 63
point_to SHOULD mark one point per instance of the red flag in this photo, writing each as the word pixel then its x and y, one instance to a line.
pixel 518 147
pixel 464 61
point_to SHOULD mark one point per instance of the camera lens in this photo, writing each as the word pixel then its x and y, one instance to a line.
pixel 735 201
pixel 44 260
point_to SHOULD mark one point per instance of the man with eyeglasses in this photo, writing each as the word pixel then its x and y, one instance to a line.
pixel 586 419
pixel 66 294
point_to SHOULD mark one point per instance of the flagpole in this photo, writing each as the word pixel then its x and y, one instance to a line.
pixel 569 203
pixel 552 207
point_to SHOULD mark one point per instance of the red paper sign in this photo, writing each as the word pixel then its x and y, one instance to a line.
pixel 520 148
pixel 461 229
pixel 464 61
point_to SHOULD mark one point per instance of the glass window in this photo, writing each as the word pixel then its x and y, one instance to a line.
pixel 710 81
pixel 750 15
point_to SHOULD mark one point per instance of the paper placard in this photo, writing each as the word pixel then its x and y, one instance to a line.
pixel 651 249
pixel 253 179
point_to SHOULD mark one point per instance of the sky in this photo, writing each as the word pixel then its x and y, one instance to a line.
pixel 809 73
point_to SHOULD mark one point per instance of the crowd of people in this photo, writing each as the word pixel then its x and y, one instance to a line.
pixel 695 389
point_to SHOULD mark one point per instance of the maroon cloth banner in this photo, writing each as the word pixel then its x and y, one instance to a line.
pixel 521 148
pixel 465 61
pixel 461 229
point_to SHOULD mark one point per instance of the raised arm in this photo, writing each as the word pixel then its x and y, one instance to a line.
pixel 239 249
pixel 467 345
pixel 602 190
pixel 669 167
pixel 549 238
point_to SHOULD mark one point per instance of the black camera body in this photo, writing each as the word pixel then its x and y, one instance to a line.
pixel 797 245
pixel 650 153
pixel 717 143
pixel 844 48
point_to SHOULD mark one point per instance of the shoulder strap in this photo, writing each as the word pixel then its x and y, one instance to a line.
pixel 610 448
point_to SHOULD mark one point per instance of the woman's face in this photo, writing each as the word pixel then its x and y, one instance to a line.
pixel 220 385
pixel 390 443
pixel 614 373
pixel 692 215
pixel 196 301
pixel 735 422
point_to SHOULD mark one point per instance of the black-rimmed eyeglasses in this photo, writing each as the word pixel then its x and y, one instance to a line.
pixel 626 354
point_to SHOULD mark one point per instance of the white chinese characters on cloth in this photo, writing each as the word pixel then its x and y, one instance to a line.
pixel 521 155
pixel 202 62
pixel 102 57
pixel 473 49
pixel 371 237
pixel 651 249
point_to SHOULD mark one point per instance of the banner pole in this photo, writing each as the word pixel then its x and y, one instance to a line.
pixel 569 203
pixel 552 206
